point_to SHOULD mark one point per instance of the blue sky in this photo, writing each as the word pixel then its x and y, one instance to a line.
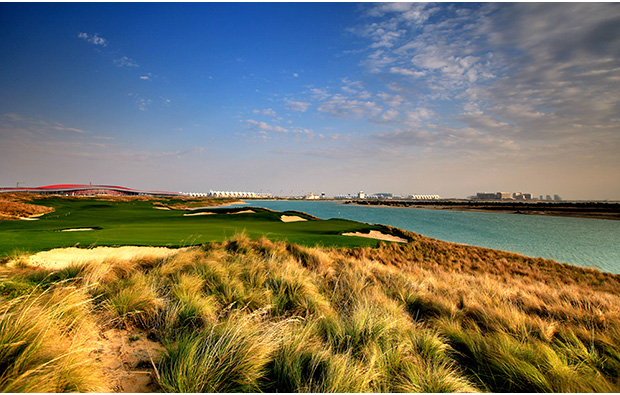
pixel 291 98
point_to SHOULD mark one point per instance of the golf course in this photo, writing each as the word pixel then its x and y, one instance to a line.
pixel 91 222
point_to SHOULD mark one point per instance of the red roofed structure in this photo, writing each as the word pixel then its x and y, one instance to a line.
pixel 86 190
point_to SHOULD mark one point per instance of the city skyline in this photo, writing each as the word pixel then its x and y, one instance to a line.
pixel 293 98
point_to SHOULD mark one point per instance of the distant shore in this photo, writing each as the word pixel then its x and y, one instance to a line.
pixel 598 210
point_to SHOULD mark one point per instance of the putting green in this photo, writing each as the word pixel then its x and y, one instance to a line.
pixel 89 222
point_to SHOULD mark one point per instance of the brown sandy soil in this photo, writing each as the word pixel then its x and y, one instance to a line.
pixel 194 214
pixel 127 358
pixel 59 258
pixel 244 212
pixel 291 218
pixel 375 234
pixel 15 208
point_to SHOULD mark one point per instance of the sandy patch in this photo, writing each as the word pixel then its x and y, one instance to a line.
pixel 244 212
pixel 292 218
pixel 161 208
pixel 77 230
pixel 194 214
pixel 127 359
pixel 375 234
pixel 59 258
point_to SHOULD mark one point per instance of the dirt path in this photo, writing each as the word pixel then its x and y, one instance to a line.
pixel 127 358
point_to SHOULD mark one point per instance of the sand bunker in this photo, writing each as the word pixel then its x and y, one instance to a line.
pixel 244 212
pixel 292 218
pixel 161 208
pixel 194 214
pixel 77 230
pixel 375 234
pixel 59 258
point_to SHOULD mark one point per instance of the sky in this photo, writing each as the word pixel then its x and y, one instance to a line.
pixel 295 98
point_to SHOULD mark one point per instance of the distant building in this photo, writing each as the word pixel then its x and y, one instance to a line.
pixel 230 194
pixel 548 197
pixel 424 197
pixel 384 195
pixel 361 195
pixel 557 198
pixel 486 196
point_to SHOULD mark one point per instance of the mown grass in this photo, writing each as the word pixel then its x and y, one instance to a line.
pixel 139 223
pixel 249 315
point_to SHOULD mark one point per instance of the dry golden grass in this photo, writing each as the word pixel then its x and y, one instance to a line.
pixel 424 316
pixel 14 206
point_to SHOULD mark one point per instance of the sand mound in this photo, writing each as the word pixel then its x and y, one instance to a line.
pixel 77 230
pixel 244 212
pixel 194 214
pixel 292 218
pixel 59 258
pixel 375 234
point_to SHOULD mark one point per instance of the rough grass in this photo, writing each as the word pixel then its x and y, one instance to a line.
pixel 44 343
pixel 264 316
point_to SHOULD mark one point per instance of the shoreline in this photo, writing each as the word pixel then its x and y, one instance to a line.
pixel 592 210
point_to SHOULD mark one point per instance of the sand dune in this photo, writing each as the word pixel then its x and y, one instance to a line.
pixel 291 218
pixel 375 234
pixel 194 214
pixel 59 258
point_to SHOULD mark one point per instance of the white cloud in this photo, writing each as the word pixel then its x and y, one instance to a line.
pixel 343 107
pixel 297 105
pixel 143 104
pixel 267 111
pixel 145 77
pixel 93 39
pixel 62 128
pixel 264 126
pixel 124 61
pixel 390 115
pixel 407 72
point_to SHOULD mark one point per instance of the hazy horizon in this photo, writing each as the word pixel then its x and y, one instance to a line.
pixel 293 98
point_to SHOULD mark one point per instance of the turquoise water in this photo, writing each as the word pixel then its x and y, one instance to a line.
pixel 578 241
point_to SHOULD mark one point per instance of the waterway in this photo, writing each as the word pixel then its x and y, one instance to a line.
pixel 579 241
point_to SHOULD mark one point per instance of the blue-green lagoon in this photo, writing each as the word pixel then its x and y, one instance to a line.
pixel 579 241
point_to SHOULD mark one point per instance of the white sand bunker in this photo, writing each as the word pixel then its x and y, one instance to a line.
pixel 244 212
pixel 62 257
pixel 194 214
pixel 292 218
pixel 375 234
pixel 77 230
pixel 161 208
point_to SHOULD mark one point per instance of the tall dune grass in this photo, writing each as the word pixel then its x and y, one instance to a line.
pixel 257 315
pixel 45 343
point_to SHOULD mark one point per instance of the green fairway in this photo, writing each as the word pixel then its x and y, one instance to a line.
pixel 138 223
